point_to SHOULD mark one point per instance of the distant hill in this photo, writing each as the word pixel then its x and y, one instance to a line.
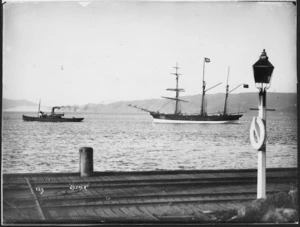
pixel 10 103
pixel 18 105
pixel 21 105
pixel 282 102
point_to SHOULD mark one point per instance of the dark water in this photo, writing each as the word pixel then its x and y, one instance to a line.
pixel 134 143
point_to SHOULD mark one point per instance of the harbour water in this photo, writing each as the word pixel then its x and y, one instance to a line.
pixel 134 143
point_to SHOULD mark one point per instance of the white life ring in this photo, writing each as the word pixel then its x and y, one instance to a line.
pixel 257 133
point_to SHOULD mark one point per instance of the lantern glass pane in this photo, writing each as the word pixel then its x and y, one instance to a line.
pixel 262 74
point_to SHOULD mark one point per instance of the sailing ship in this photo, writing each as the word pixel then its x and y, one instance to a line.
pixel 52 117
pixel 203 116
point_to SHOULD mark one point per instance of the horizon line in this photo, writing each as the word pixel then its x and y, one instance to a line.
pixel 103 102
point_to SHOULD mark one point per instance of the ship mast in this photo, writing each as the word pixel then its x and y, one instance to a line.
pixel 38 114
pixel 203 104
pixel 203 109
pixel 227 93
pixel 177 90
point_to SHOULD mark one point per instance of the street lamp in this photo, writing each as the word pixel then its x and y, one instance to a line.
pixel 263 70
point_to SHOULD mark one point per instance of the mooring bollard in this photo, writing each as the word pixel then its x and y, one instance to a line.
pixel 86 161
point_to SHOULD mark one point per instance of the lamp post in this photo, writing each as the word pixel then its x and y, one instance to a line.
pixel 263 70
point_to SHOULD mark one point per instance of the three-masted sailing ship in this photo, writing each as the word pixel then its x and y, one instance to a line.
pixel 203 116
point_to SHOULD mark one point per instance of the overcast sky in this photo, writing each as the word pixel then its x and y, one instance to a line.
pixel 68 53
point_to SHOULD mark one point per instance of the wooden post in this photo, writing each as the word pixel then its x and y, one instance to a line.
pixel 261 155
pixel 86 161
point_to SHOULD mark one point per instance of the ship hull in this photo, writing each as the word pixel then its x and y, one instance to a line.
pixel 49 119
pixel 196 119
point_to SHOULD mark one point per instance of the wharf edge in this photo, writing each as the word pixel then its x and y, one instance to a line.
pixel 181 196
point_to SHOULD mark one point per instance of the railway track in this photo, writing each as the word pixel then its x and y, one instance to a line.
pixel 288 176
pixel 133 196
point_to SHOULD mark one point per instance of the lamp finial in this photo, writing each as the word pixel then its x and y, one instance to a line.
pixel 263 55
